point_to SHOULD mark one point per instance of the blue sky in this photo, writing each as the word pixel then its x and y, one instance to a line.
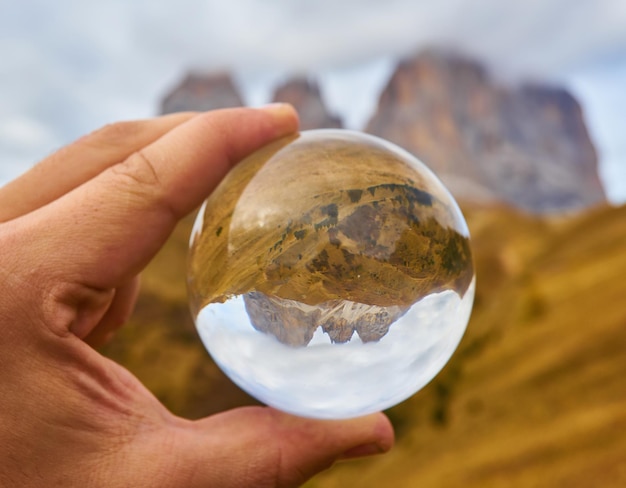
pixel 70 66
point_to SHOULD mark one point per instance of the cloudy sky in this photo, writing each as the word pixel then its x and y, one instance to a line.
pixel 70 66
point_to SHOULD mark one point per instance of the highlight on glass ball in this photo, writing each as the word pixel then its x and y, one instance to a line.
pixel 330 274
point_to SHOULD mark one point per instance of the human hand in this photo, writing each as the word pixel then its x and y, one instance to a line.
pixel 75 231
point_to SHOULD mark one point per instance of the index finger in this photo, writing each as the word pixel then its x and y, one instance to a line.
pixel 106 230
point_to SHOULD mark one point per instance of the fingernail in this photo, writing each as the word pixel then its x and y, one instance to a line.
pixel 285 113
pixel 278 108
pixel 275 106
pixel 362 451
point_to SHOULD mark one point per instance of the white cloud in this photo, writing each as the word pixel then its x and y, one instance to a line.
pixel 603 90
pixel 352 91
pixel 20 132
pixel 72 65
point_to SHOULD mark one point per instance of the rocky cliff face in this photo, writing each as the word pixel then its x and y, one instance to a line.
pixel 305 96
pixel 527 145
pixel 202 92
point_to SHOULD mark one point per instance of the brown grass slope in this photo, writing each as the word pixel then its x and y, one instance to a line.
pixel 535 395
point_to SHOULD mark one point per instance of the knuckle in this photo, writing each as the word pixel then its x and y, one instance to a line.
pixel 139 178
pixel 139 170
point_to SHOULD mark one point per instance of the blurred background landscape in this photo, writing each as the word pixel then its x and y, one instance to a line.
pixel 518 108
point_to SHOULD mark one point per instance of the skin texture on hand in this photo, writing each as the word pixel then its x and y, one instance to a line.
pixel 75 232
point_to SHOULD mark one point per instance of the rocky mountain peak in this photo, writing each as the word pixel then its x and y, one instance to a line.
pixel 304 94
pixel 202 92
pixel 526 145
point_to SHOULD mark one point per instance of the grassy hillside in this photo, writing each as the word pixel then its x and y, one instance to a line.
pixel 535 395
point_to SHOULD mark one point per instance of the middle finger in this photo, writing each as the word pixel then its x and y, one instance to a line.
pixel 73 165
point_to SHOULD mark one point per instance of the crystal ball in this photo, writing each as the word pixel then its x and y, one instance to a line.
pixel 330 274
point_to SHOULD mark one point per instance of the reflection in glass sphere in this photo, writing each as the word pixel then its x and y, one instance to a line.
pixel 330 274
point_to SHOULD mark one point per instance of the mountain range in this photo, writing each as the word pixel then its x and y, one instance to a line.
pixel 523 144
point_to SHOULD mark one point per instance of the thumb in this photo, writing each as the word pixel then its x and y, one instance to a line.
pixel 262 447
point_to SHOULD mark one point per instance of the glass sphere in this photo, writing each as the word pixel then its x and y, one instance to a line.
pixel 330 274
